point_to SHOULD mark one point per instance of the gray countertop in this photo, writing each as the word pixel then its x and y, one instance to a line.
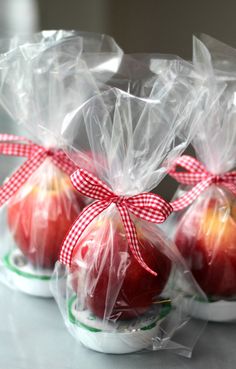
pixel 33 336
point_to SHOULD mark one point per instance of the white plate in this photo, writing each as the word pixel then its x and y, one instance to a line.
pixel 22 276
pixel 122 338
pixel 219 311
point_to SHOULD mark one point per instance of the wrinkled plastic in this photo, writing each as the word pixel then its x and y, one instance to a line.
pixel 137 73
pixel 210 53
pixel 215 63
pixel 108 301
pixel 100 51
pixel 41 80
pixel 205 232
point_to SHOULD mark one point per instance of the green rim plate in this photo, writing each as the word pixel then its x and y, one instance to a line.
pixel 165 309
pixel 8 264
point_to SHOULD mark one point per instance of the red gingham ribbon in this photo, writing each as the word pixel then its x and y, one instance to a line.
pixel 19 146
pixel 146 206
pixel 197 175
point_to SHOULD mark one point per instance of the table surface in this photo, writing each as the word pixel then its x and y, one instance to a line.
pixel 33 335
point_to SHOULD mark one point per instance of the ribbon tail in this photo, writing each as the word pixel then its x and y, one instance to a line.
pixel 19 178
pixel 132 237
pixel 190 164
pixel 193 173
pixel 79 226
pixel 190 196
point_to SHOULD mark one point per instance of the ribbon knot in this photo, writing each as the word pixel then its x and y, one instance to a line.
pixel 196 174
pixel 21 147
pixel 217 179
pixel 118 200
pixel 50 152
pixel 147 206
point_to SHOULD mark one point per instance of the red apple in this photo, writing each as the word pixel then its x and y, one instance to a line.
pixel 108 277
pixel 206 237
pixel 41 213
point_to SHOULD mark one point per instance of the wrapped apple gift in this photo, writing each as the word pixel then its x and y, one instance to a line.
pixel 40 82
pixel 205 234
pixel 116 276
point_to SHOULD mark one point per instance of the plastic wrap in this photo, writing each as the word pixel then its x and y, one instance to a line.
pixel 137 73
pixel 210 53
pixel 40 82
pixel 205 232
pixel 110 303
pixel 96 50
pixel 100 51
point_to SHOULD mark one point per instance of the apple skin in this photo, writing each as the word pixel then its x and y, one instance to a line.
pixel 39 217
pixel 116 286
pixel 206 237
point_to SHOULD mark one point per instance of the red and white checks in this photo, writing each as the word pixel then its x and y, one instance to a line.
pixel 197 175
pixel 146 206
pixel 35 154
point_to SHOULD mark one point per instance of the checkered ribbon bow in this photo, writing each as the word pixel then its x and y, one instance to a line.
pixel 197 175
pixel 146 206
pixel 21 147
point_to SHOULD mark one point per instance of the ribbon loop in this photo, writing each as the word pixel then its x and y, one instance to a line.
pixel 197 175
pixel 146 206
pixel 35 154
pixel 150 207
pixel 90 186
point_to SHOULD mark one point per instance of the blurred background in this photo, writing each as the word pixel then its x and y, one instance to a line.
pixel 164 26
pixel 160 26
